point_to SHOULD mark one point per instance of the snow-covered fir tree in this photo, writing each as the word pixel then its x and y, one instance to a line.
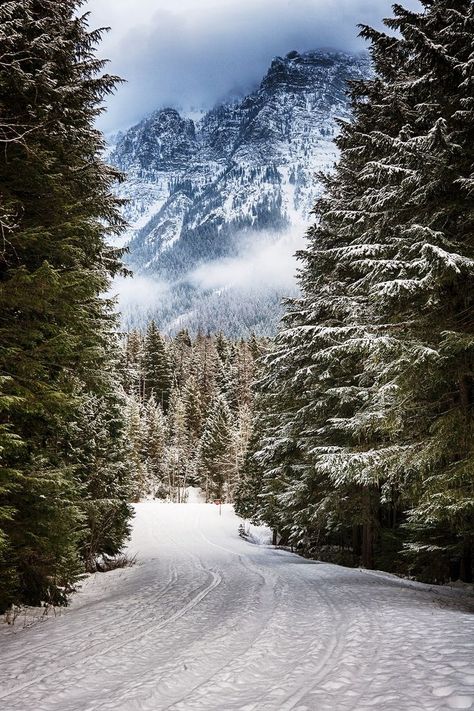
pixel 136 433
pixel 367 397
pixel 156 367
pixel 217 457
pixel 154 445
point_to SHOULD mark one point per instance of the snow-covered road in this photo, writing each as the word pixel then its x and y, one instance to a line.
pixel 207 621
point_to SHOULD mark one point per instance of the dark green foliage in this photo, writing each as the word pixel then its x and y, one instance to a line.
pixel 99 452
pixel 216 456
pixel 156 367
pixel 45 534
pixel 193 408
pixel 57 209
pixel 368 394
pixel 247 503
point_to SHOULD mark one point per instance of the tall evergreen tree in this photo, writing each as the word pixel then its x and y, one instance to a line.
pixel 420 280
pixel 193 408
pixel 178 456
pixel 58 209
pixel 217 460
pixel 136 440
pixel 156 367
pixel 98 449
pixel 208 364
pixel 181 356
pixel 154 445
pixel 372 427
pixel 132 364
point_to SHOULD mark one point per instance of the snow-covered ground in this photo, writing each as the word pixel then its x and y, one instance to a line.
pixel 208 621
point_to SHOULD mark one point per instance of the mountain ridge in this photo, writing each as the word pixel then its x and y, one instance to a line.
pixel 244 173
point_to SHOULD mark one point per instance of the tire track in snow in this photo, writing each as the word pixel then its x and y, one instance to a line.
pixel 216 580
pixel 177 703
pixel 151 596
pixel 328 665
pixel 173 576
pixel 324 666
pixel 261 633
pixel 278 632
pixel 245 662
pixel 291 699
pixel 127 688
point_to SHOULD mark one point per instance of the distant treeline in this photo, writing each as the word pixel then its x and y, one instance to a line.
pixel 188 412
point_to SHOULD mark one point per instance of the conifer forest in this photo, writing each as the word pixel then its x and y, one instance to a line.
pixel 281 473
pixel 188 411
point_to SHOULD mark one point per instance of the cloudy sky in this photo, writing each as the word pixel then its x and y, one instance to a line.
pixel 192 52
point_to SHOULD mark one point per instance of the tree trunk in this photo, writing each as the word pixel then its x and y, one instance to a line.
pixel 466 561
pixel 368 545
pixel 465 392
pixel 274 537
pixel 356 540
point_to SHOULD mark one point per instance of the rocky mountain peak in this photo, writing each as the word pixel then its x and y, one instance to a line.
pixel 196 191
pixel 162 141
pixel 296 71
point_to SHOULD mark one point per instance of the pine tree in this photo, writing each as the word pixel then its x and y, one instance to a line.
pixel 421 277
pixel 248 500
pixel 222 347
pixel 156 367
pixel 98 449
pixel 277 461
pixel 208 364
pixel 372 428
pixel 57 210
pixel 217 459
pixel 181 356
pixel 154 446
pixel 179 452
pixel 193 408
pixel 246 368
pixel 136 442
pixel 132 369
pixel 256 347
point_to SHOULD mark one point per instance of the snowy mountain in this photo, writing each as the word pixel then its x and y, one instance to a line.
pixel 218 206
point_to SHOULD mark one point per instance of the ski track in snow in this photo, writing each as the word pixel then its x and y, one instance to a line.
pixel 206 621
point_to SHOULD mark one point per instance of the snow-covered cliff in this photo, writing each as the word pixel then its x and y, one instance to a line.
pixel 218 191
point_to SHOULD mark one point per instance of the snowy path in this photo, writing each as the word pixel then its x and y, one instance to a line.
pixel 206 621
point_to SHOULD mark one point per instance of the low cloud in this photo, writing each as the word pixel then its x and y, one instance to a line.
pixel 138 293
pixel 265 262
pixel 265 267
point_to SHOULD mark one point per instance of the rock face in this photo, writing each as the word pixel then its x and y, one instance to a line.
pixel 242 178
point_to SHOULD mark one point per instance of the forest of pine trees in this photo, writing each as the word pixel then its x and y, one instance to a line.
pixel 356 442
pixel 188 411
pixel 365 449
